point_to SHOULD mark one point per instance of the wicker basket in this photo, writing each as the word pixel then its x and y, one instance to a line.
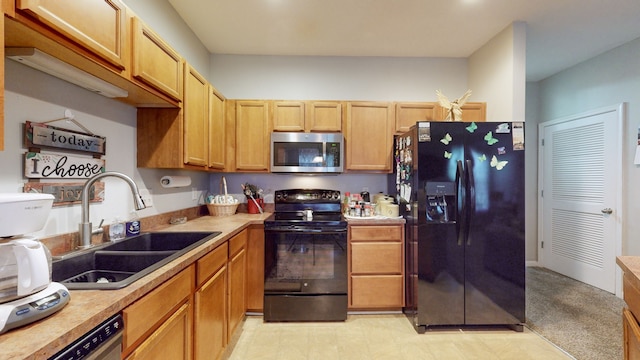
pixel 222 209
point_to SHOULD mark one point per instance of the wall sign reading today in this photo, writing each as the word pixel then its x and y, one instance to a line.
pixel 61 166
pixel 39 135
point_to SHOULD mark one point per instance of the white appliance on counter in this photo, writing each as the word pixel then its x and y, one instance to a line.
pixel 26 291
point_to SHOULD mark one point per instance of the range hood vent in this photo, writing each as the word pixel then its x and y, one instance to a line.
pixel 46 63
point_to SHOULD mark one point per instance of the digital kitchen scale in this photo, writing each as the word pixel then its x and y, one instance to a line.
pixel 34 307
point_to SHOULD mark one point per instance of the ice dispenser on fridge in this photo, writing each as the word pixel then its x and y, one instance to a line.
pixel 441 201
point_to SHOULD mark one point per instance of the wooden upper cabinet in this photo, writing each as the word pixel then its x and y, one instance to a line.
pixel 323 116
pixel 2 79
pixel 216 129
pixel 369 136
pixel 252 136
pixel 155 62
pixel 471 111
pixel 97 25
pixel 196 117
pixel 307 116
pixel 408 113
pixel 288 116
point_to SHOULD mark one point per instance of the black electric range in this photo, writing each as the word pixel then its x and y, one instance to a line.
pixel 306 257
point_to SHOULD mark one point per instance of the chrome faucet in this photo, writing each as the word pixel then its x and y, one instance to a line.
pixel 85 227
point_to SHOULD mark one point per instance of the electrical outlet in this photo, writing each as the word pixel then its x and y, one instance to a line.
pixel 145 194
pixel 194 194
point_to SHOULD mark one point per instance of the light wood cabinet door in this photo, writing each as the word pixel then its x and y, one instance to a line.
pixel 216 129
pixel 288 116
pixel 323 116
pixel 252 136
pixel 155 62
pixel 98 25
pixel 237 281
pixel 255 268
pixel 148 313
pixel 310 116
pixel 196 117
pixel 369 136
pixel 172 340
pixel 210 317
pixel 408 113
pixel 471 111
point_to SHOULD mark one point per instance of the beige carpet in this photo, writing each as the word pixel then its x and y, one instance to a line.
pixel 583 320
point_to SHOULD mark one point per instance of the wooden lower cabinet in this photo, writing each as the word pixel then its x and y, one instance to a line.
pixel 376 266
pixel 237 280
pixel 210 305
pixel 630 314
pixel 631 335
pixel 160 322
pixel 255 269
pixel 195 313
pixel 172 340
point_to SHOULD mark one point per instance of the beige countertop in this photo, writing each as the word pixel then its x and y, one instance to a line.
pixel 88 308
pixel 631 266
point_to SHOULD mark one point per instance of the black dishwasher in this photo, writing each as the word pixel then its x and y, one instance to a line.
pixel 104 342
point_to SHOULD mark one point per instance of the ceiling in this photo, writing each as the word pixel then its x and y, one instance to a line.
pixel 560 33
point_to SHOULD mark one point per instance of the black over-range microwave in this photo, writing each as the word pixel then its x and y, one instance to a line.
pixel 293 152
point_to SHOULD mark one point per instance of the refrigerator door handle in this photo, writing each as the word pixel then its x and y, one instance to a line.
pixel 470 198
pixel 460 203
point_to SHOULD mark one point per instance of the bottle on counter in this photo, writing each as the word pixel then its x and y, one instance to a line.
pixel 345 203
pixel 132 227
pixel 116 230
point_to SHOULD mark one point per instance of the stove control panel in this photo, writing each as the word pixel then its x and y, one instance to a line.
pixel 297 196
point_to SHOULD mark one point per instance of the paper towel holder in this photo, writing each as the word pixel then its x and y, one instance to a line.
pixel 175 181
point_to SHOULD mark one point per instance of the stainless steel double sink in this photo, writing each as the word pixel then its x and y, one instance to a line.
pixel 118 264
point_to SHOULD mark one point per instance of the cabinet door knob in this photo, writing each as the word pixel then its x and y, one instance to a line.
pixel 607 211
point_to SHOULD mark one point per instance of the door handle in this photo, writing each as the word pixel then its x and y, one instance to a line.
pixel 607 210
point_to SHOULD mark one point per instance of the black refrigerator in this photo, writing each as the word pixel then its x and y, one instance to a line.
pixel 460 186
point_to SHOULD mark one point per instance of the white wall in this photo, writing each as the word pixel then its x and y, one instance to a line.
pixel 166 22
pixel 608 79
pixel 337 78
pixel 497 74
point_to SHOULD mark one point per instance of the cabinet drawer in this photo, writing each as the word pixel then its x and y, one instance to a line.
pixel 237 243
pixel 211 263
pixel 631 295
pixel 376 258
pixel 375 233
pixel 381 291
pixel 146 313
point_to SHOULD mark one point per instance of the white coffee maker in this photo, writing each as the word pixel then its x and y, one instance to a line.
pixel 26 291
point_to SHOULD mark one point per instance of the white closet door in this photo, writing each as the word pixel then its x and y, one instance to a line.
pixel 581 183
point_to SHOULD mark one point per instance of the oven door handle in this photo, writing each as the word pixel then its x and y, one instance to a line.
pixel 306 229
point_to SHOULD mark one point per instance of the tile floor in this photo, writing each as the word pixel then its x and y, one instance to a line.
pixel 384 337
